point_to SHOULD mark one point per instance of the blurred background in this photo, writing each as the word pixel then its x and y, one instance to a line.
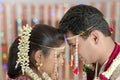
pixel 16 13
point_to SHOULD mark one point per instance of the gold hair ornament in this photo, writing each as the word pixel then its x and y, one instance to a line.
pixel 55 48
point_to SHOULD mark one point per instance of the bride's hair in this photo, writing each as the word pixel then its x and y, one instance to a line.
pixel 40 35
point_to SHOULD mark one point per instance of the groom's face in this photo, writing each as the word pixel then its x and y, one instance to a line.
pixel 84 47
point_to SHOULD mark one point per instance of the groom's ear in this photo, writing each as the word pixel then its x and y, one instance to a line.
pixel 95 36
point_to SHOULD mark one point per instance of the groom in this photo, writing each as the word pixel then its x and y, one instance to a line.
pixel 87 25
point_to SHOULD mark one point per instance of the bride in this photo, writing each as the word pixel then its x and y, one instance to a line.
pixel 36 54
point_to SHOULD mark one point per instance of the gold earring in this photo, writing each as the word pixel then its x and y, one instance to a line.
pixel 39 65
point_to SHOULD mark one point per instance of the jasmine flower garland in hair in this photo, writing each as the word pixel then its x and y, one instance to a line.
pixel 23 58
pixel 23 47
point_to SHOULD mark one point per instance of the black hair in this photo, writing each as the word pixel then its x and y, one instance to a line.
pixel 81 17
pixel 41 35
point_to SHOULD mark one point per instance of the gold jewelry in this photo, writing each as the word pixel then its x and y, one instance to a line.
pixel 81 34
pixel 56 48
pixel 39 65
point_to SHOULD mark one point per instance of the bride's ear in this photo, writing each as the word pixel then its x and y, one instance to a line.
pixel 38 55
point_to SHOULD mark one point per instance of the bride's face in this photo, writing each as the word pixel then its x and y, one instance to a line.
pixel 50 61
